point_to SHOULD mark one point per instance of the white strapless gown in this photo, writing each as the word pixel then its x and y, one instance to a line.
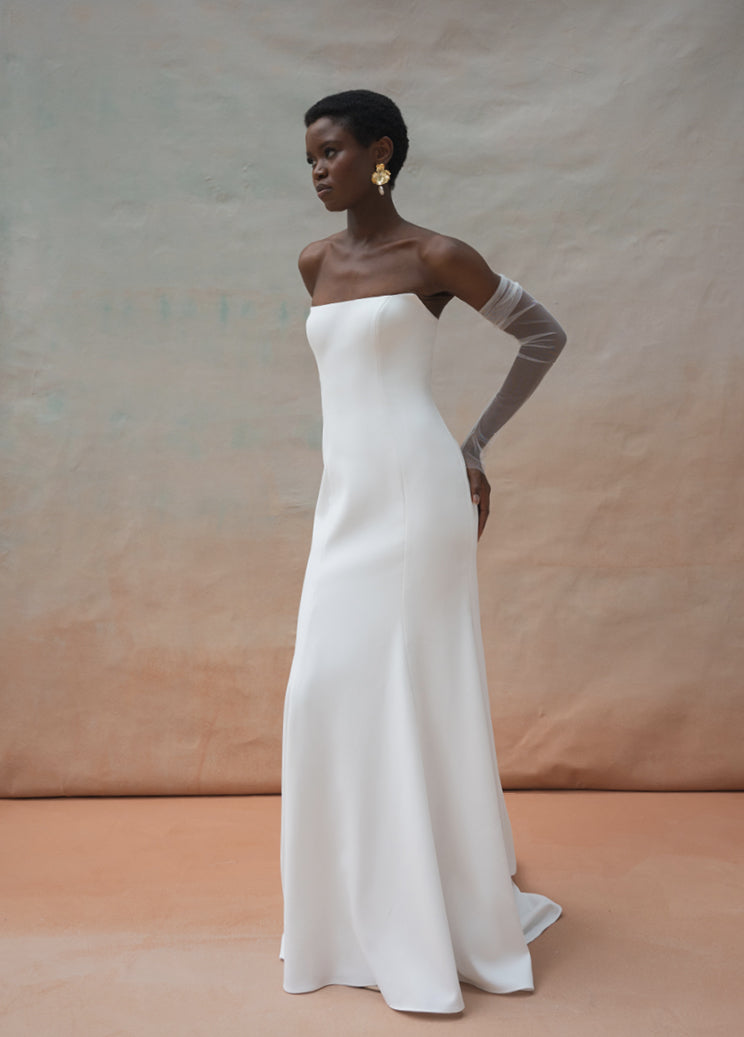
pixel 397 851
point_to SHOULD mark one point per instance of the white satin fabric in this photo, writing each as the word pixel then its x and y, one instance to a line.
pixel 397 852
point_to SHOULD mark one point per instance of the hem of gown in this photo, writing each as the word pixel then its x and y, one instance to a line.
pixel 457 1005
pixel 390 1004
pixel 550 916
pixel 545 922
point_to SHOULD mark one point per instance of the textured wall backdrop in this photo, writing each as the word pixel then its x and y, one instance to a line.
pixel 161 425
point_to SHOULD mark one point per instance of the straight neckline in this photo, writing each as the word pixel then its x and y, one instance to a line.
pixel 384 295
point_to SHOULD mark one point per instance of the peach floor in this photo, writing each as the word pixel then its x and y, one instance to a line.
pixel 160 916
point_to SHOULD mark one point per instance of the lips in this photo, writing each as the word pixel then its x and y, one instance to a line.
pixel 322 189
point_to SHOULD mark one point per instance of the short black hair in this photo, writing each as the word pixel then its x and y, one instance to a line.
pixel 367 116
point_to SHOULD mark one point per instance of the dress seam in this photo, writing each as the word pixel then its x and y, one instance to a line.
pixel 401 481
pixel 406 652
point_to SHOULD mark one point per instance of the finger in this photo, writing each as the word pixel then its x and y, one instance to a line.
pixel 475 480
pixel 483 513
pixel 484 506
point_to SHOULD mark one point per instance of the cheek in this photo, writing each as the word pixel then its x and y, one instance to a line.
pixel 355 172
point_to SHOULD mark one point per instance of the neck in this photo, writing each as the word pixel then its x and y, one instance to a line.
pixel 372 218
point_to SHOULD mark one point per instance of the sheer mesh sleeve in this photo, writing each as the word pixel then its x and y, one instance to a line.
pixel 540 337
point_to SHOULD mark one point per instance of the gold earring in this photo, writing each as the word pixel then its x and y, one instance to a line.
pixel 380 177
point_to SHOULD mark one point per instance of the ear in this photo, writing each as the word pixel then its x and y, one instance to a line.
pixel 383 150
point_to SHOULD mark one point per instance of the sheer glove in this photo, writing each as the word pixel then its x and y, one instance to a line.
pixel 540 337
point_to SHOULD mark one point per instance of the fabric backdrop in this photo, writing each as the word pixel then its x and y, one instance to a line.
pixel 160 407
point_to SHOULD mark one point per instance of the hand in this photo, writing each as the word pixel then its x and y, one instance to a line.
pixel 480 493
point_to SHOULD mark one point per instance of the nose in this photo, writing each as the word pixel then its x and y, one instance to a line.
pixel 320 171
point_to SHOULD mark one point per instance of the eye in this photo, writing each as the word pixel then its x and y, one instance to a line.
pixel 329 152
pixel 310 161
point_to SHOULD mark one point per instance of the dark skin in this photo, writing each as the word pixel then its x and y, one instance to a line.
pixel 380 253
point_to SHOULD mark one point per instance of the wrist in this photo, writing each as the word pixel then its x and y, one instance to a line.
pixel 471 452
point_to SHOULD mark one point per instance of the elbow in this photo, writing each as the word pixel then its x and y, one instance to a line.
pixel 560 339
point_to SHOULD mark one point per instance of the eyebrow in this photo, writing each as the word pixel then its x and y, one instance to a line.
pixel 325 144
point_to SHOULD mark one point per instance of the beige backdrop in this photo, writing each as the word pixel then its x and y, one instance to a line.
pixel 161 419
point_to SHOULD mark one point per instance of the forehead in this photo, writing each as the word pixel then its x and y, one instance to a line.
pixel 325 129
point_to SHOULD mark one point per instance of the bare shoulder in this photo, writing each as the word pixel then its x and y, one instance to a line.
pixel 442 254
pixel 458 268
pixel 311 260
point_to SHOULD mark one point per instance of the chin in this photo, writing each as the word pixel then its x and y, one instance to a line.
pixel 332 204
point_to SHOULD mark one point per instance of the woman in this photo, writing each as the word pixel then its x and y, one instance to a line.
pixel 397 853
